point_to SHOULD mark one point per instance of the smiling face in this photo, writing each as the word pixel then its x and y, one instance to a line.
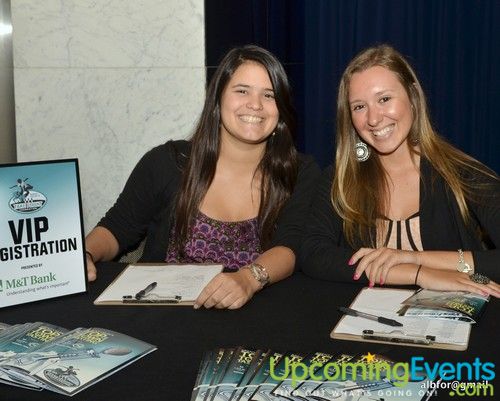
pixel 381 111
pixel 248 109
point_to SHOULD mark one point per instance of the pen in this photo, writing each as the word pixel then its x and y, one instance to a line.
pixel 380 319
pixel 149 288
pixel 128 299
pixel 401 339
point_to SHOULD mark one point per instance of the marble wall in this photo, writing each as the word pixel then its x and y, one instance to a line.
pixel 104 81
pixel 7 122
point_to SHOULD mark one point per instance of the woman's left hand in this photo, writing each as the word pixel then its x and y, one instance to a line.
pixel 228 290
pixel 440 280
pixel 376 263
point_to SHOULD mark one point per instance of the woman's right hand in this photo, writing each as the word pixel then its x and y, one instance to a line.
pixel 442 280
pixel 228 290
pixel 100 245
pixel 91 269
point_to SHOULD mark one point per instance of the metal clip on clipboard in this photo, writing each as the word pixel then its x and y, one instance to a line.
pixel 397 336
pixel 151 298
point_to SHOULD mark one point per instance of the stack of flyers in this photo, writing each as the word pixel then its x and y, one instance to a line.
pixel 354 384
pixel 22 339
pixel 43 356
pixel 243 374
pixel 280 373
pixel 306 388
pixel 260 375
pixel 311 364
pixel 255 364
pixel 3 326
pixel 448 305
pixel 242 358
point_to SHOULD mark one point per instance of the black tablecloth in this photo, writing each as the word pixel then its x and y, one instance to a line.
pixel 296 314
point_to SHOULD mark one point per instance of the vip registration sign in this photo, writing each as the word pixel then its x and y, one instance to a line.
pixel 41 233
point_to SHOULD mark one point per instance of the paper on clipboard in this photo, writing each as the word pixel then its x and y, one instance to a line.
pixel 386 302
pixel 182 281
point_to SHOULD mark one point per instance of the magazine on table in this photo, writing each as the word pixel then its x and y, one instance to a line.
pixel 201 378
pixel 22 339
pixel 288 385
pixel 253 367
pixel 450 305
pixel 209 368
pixel 218 373
pixel 260 376
pixel 26 338
pixel 70 361
pixel 237 367
pixel 3 326
pixel 307 388
pixel 267 375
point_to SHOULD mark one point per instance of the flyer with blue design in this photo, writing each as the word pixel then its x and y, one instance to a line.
pixel 41 234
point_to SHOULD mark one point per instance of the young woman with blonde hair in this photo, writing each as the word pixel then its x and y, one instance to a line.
pixel 401 205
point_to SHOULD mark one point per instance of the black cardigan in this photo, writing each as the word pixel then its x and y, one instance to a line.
pixel 145 206
pixel 325 251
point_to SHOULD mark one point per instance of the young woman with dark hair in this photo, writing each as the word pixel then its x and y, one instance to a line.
pixel 236 193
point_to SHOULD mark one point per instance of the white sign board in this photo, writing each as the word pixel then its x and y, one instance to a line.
pixel 41 231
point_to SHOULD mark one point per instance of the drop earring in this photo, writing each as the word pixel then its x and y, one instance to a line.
pixel 362 151
pixel 414 140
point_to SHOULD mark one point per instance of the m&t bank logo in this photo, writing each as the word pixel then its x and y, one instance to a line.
pixel 24 199
pixel 16 283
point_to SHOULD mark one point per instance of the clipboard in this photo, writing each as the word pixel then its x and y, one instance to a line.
pixel 149 284
pixel 415 332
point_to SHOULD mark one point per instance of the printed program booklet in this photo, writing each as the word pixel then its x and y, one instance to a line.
pixel 64 361
pixel 21 339
pixel 449 305
pixel 243 374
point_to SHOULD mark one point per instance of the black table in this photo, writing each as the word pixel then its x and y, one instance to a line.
pixel 296 314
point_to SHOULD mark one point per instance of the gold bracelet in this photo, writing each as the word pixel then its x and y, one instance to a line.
pixel 259 272
pixel 462 265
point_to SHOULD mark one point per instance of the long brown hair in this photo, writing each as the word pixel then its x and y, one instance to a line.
pixel 278 166
pixel 359 189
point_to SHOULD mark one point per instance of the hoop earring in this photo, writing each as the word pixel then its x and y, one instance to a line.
pixel 362 151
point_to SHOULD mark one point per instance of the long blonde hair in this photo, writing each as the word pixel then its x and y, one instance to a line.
pixel 359 189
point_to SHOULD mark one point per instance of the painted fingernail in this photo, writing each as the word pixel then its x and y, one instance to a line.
pixel 351 262
pixel 381 282
pixel 356 276
pixel 196 306
pixel 371 284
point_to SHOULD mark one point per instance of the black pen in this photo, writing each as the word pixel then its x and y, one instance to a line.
pixel 380 319
pixel 149 288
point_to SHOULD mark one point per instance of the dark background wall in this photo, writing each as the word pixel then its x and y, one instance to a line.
pixel 453 45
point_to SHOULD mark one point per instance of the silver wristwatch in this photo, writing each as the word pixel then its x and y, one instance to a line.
pixel 260 273
pixel 463 266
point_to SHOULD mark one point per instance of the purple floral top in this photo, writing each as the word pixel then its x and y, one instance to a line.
pixel 232 244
